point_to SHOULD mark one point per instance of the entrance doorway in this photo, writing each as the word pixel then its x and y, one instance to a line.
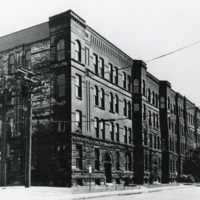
pixel 108 168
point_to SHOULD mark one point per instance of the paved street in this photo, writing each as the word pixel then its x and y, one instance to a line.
pixel 190 193
pixel 182 192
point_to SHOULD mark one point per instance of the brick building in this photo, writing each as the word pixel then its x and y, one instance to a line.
pixel 98 108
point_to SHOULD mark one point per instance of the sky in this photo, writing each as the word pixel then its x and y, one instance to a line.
pixel 143 29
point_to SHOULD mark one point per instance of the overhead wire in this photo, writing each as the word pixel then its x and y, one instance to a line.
pixel 172 52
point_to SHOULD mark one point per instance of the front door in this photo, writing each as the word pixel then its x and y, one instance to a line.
pixel 108 172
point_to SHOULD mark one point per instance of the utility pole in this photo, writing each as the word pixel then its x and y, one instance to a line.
pixel 3 140
pixel 30 80
pixel 28 142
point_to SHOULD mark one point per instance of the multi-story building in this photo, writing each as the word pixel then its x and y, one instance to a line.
pixel 99 111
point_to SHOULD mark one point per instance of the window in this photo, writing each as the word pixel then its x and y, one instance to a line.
pixel 116 75
pixel 129 109
pixel 61 157
pixel 125 107
pixel 155 142
pixel 78 51
pixel 124 80
pixel 61 121
pixel 168 106
pixel 157 121
pixel 101 66
pixel 117 132
pixel 96 96
pixel 78 86
pixel 153 98
pixel 169 123
pixel 1 66
pixel 102 124
pixel 145 137
pixel 130 136
pixel 61 50
pixel 11 64
pixel 28 59
pixel 96 126
pixel 127 162
pixel 158 141
pixel 87 56
pixel 129 83
pixel 156 100
pixel 136 86
pixel 96 159
pixel 149 95
pixel 162 102
pixel 61 85
pixel 144 112
pixel 117 160
pixel 78 157
pixel 125 134
pixel 110 72
pixel 154 120
pixel 78 121
pixel 95 63
pixel 143 88
pixel 116 104
pixel 111 131
pixel 151 141
pixel 111 102
pixel 149 118
pixel 146 162
pixel 102 98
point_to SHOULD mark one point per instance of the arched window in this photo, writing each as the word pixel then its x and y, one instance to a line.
pixel 162 102
pixel 136 86
pixel 61 50
pixel 78 51
pixel 102 98
pixel 116 104
pixel 149 95
pixel 111 102
pixel 125 107
pixel 96 96
pixel 144 88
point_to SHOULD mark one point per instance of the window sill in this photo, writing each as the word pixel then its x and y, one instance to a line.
pixel 79 98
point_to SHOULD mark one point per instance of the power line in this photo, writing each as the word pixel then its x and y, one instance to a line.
pixel 167 54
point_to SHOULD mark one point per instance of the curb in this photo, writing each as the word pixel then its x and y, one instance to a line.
pixel 144 190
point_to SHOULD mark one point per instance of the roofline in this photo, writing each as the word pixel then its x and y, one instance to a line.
pixel 23 30
pixel 110 42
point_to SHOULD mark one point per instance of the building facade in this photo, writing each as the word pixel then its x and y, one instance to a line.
pixel 99 115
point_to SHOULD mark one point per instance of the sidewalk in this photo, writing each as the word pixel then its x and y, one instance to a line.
pixel 53 193
pixel 138 190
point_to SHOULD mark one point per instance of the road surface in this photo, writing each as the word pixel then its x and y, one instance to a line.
pixel 190 193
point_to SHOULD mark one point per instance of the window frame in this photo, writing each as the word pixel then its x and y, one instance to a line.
pixel 78 51
pixel 78 80
pixel 60 85
pixel 60 50
pixel 78 121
